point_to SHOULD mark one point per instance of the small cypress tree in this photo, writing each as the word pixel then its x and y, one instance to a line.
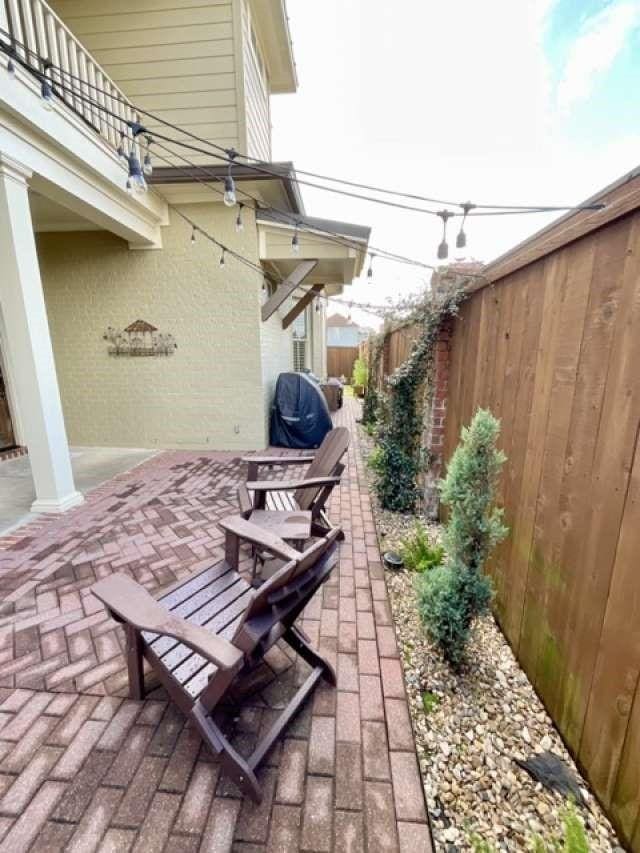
pixel 452 595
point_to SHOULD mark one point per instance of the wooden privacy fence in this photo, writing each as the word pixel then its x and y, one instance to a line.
pixel 340 361
pixel 552 347
pixel 397 346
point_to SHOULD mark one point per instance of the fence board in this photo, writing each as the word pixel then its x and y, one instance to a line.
pixel 340 361
pixel 553 348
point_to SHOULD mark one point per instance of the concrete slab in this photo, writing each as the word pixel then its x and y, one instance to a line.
pixel 91 466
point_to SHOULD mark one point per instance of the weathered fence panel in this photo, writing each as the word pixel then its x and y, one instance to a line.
pixel 553 349
pixel 340 361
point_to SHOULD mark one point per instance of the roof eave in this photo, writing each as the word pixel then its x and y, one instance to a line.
pixel 272 23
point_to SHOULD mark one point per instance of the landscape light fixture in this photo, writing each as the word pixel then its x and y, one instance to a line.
pixel 443 248
pixel 461 239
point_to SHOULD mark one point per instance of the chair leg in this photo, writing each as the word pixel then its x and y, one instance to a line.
pixel 134 663
pixel 303 647
pixel 232 762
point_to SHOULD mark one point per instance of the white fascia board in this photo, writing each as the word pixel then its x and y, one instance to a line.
pixel 74 165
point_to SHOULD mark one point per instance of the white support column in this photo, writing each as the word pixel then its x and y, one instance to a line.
pixel 29 344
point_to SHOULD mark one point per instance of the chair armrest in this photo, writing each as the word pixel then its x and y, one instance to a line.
pixel 256 535
pixel 278 460
pixel 131 603
pixel 291 485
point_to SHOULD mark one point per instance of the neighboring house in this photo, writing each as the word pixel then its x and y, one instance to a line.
pixel 343 332
pixel 93 276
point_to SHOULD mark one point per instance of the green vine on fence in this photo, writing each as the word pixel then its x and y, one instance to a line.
pixel 400 457
pixel 371 400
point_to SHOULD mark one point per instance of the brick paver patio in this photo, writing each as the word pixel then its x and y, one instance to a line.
pixel 83 768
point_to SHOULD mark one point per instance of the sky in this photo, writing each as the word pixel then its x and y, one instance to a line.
pixel 504 102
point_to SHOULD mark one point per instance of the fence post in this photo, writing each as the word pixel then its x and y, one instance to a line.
pixel 435 419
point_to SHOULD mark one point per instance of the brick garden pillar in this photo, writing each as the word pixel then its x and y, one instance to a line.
pixel 435 419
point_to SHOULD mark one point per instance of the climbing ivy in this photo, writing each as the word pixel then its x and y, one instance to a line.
pixel 371 400
pixel 401 456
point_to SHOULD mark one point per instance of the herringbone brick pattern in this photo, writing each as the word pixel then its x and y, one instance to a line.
pixel 83 768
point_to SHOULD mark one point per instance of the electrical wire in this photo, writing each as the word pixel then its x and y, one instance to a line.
pixel 259 165
pixel 285 217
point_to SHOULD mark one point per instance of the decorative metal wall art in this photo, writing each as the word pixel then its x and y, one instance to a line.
pixel 139 339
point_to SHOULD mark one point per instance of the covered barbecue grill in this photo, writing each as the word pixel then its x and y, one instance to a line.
pixel 300 416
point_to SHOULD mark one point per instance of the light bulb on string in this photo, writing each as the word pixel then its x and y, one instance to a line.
pixel 295 242
pixel 239 222
pixel 229 197
pixel 147 166
pixel 443 248
pixel 222 257
pixel 121 152
pixel 370 270
pixel 11 66
pixel 461 239
pixel 136 177
pixel 193 235
pixel 47 94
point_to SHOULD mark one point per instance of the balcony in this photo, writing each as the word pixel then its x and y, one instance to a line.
pixel 71 150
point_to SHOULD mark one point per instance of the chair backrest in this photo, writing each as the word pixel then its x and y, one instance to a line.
pixel 325 462
pixel 290 579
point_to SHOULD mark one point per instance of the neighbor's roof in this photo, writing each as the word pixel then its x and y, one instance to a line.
pixel 620 197
pixel 339 320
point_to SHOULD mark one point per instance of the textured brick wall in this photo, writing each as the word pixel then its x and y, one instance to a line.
pixel 210 393
pixel 435 419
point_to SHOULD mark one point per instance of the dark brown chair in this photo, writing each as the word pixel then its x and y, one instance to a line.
pixel 309 493
pixel 203 634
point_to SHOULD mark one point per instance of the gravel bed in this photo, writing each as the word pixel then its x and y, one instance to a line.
pixel 470 726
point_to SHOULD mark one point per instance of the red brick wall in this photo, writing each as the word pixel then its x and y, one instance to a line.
pixel 435 419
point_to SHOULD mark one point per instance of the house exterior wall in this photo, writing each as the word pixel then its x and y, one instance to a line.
pixel 210 393
pixel 343 336
pixel 179 58
pixel 256 88
pixel 276 348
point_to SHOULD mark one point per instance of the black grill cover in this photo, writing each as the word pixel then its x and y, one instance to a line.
pixel 300 415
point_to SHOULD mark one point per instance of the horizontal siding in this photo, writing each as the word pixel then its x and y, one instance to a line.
pixel 256 97
pixel 173 57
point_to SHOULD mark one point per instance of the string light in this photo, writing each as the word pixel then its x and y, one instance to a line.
pixel 47 93
pixel 135 182
pixel 222 257
pixel 11 67
pixel 147 166
pixel 229 197
pixel 370 270
pixel 193 234
pixel 461 239
pixel 295 242
pixel 121 149
pixel 10 49
pixel 443 248
pixel 239 222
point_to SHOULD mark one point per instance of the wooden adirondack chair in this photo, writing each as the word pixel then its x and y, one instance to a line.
pixel 307 494
pixel 203 634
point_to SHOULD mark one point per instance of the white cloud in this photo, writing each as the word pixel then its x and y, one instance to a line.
pixel 451 100
pixel 601 39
